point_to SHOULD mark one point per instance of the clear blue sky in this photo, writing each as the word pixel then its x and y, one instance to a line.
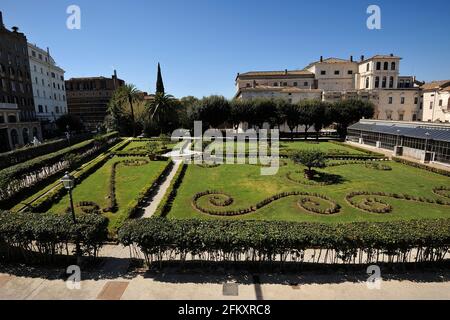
pixel 202 44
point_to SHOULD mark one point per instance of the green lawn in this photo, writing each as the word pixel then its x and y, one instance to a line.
pixel 247 187
pixel 130 180
pixel 326 147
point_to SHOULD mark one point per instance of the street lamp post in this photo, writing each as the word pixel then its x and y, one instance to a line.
pixel 69 183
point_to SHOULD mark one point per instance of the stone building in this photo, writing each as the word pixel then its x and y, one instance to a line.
pixel 376 79
pixel 17 114
pixel 88 98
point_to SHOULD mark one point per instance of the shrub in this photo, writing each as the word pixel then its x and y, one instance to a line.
pixel 422 166
pixel 310 159
pixel 41 237
pixel 268 241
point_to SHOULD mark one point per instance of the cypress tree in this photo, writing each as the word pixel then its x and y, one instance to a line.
pixel 159 81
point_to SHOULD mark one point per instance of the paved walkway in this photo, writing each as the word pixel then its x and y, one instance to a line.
pixel 162 190
pixel 29 283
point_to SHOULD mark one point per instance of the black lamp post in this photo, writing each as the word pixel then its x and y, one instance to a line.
pixel 69 183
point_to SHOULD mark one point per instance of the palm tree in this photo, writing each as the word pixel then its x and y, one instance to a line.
pixel 160 107
pixel 128 94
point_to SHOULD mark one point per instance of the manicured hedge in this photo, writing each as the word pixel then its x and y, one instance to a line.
pixel 21 155
pixel 133 206
pixel 268 241
pixel 346 145
pixel 41 237
pixel 44 203
pixel 166 203
pixel 421 166
pixel 76 152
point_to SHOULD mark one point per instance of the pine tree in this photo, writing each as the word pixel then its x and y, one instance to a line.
pixel 159 81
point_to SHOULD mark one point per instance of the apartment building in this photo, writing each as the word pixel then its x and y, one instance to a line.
pixel 48 86
pixel 88 98
pixel 18 125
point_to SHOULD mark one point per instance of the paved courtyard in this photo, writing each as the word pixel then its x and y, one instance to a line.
pixel 30 283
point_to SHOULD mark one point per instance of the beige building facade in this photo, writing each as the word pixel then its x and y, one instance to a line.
pixel 376 79
pixel 436 101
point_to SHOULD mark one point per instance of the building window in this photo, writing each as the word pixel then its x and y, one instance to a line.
pixel 402 100
pixel 393 66
pixel 33 53
pixel 414 117
pixel 391 100
pixel 384 82
pixel 350 72
pixel 440 103
pixel 284 84
pixel 323 72
pixel 378 65
pixel 377 82
pixel 41 109
pixel 431 105
pixel 367 83
pixel 386 66
pixel 391 82
pixel 416 100
pixel 295 84
pixel 337 72
pixel 368 67
pixel 248 85
pixel 40 56
pixel 57 109
pixel 306 84
pixel 400 117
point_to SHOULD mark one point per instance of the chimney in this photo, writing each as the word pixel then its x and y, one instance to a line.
pixel 351 58
pixel 321 58
pixel 1 20
pixel 362 58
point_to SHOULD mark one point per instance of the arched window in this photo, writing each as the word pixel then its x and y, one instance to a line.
pixel 378 65
pixel 393 66
pixel 368 67
pixel 391 82
pixel 26 138
pixel 14 138
pixel 386 66
pixel 367 83
pixel 377 82
pixel 384 82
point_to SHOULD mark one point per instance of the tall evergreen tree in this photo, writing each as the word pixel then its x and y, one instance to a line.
pixel 159 81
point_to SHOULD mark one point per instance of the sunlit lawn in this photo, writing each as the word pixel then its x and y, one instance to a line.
pixel 130 180
pixel 245 184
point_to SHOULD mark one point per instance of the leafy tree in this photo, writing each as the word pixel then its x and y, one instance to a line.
pixel 289 113
pixel 310 159
pixel 264 111
pixel 186 111
pixel 152 148
pixel 347 112
pixel 321 117
pixel 306 114
pixel 162 111
pixel 125 95
pixel 240 111
pixel 213 111
pixel 70 120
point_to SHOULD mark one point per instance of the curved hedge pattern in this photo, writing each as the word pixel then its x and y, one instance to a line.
pixel 371 203
pixel 308 201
